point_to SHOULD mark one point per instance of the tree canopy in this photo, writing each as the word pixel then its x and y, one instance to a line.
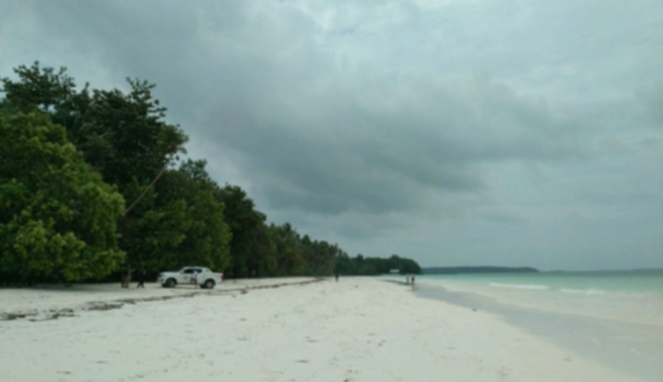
pixel 91 180
pixel 375 265
pixel 57 217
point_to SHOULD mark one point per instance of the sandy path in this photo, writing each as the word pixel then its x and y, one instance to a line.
pixel 354 330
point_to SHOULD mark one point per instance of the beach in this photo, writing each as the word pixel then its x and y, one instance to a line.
pixel 613 317
pixel 357 329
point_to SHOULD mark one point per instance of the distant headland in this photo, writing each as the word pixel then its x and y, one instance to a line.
pixel 459 270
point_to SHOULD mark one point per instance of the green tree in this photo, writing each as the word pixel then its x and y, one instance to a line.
pixel 263 260
pixel 367 266
pixel 319 256
pixel 207 238
pixel 174 216
pixel 184 223
pixel 344 264
pixel 245 224
pixel 57 217
pixel 289 255
pixel 123 135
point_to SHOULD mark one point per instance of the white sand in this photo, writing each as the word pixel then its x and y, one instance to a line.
pixel 44 300
pixel 354 330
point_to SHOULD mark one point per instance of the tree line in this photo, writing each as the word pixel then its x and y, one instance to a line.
pixel 91 180
pixel 371 266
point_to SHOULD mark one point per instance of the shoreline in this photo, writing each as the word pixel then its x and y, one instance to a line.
pixel 356 329
pixel 632 346
pixel 544 309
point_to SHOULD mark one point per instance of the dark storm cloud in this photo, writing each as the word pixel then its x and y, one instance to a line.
pixel 327 141
pixel 378 157
pixel 389 120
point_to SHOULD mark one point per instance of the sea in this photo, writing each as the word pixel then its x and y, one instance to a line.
pixel 612 317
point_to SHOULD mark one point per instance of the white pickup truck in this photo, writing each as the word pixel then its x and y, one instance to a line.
pixel 201 276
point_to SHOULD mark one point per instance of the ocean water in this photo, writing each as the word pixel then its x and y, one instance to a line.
pixel 615 318
pixel 637 281
pixel 632 296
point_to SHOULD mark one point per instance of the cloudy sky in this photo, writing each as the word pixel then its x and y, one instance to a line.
pixel 456 132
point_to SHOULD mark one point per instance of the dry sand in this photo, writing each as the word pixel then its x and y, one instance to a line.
pixel 355 330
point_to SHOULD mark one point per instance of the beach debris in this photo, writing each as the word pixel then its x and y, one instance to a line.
pixel 14 316
pixel 104 305
pixel 37 316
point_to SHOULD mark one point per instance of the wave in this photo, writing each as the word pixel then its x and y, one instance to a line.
pixel 521 286
pixel 588 291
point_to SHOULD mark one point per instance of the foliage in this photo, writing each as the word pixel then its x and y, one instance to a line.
pixel 245 223
pixel 121 135
pixel 375 265
pixel 57 217
pixel 72 156
pixel 184 224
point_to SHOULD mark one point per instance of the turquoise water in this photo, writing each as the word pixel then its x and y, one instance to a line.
pixel 639 282
pixel 615 318
pixel 627 296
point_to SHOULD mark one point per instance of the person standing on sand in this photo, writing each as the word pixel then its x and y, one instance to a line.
pixel 141 278
pixel 194 278
pixel 336 276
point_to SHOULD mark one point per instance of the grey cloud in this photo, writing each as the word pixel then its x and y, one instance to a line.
pixel 411 149
pixel 376 123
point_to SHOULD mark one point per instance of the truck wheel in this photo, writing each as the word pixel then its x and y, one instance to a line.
pixel 170 283
pixel 209 284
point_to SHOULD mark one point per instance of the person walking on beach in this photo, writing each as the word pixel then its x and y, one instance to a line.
pixel 336 276
pixel 413 279
pixel 141 278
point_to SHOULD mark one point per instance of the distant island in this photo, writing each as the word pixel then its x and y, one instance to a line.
pixel 459 270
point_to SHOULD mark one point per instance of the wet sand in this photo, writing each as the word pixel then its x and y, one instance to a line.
pixel 632 347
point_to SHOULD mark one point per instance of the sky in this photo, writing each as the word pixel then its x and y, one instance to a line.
pixel 454 132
